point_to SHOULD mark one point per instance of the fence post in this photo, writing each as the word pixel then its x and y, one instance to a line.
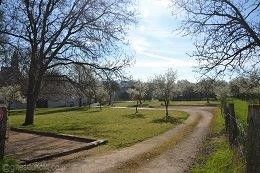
pixel 253 139
pixel 226 116
pixel 3 126
pixel 233 129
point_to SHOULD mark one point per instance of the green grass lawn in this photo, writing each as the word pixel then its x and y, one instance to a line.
pixel 241 111
pixel 119 126
pixel 217 156
pixel 10 165
pixel 157 103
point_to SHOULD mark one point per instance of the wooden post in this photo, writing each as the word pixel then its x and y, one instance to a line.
pixel 233 129
pixel 3 126
pixel 226 116
pixel 253 139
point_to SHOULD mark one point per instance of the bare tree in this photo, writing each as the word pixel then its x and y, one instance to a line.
pixel 2 36
pixel 165 88
pixel 227 33
pixel 85 81
pixel 60 33
pixel 112 87
pixel 81 78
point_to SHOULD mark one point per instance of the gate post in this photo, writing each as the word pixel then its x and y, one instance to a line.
pixel 3 126
pixel 233 129
pixel 226 117
pixel 253 139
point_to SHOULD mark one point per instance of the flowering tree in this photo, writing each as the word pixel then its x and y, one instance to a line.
pixel 11 94
pixel 222 91
pixel 186 89
pixel 101 95
pixel 138 92
pixel 165 88
pixel 205 87
pixel 247 86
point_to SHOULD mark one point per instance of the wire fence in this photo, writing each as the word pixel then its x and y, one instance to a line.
pixel 244 138
pixel 240 138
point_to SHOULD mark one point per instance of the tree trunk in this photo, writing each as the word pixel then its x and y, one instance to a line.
pixel 207 99
pixel 34 85
pixel 89 102
pixel 100 105
pixel 136 107
pixel 166 109
pixel 110 99
pixel 30 108
pixel 80 102
pixel 8 109
pixel 3 127
pixel 140 101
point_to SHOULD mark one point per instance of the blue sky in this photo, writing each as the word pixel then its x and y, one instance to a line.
pixel 157 45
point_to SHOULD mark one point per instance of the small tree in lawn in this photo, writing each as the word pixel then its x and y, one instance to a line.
pixel 165 88
pixel 101 95
pixel 10 94
pixel 138 92
pixel 132 93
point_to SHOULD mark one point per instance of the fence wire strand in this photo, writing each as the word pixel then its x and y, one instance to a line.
pixel 242 136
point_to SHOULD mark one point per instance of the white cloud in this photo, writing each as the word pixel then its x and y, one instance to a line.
pixel 156 45
pixel 163 3
pixel 139 44
pixel 164 62
pixel 174 63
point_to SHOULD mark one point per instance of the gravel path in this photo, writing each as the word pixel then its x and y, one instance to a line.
pixel 173 151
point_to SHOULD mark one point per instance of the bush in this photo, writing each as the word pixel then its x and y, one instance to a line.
pixel 8 165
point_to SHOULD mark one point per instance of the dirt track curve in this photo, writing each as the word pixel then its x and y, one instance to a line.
pixel 172 152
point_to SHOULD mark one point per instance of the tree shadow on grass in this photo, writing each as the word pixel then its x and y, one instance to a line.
pixel 142 105
pixel 93 111
pixel 53 111
pixel 60 110
pixel 133 116
pixel 83 109
pixel 169 119
pixel 17 112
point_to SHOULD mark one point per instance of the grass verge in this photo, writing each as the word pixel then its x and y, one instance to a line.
pixel 241 111
pixel 217 156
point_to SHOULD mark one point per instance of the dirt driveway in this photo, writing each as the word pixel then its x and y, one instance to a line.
pixel 173 151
